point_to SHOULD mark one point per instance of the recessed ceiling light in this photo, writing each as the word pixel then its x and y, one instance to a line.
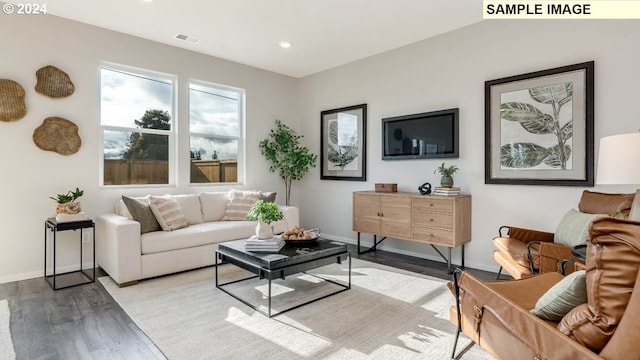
pixel 284 44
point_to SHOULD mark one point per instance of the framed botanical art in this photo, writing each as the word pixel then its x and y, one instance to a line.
pixel 343 143
pixel 539 127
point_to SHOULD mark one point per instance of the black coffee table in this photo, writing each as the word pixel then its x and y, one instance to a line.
pixel 293 258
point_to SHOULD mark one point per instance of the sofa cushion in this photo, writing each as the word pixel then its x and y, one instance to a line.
pixel 213 205
pixel 617 205
pixel 613 259
pixel 239 204
pixel 141 212
pixel 191 207
pixel 268 196
pixel 573 229
pixel 168 212
pixel 562 297
pixel 196 235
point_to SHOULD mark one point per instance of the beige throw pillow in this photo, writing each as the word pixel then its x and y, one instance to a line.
pixel 239 204
pixel 573 229
pixel 168 212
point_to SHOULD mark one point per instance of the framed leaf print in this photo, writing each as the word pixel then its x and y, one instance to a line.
pixel 343 143
pixel 539 127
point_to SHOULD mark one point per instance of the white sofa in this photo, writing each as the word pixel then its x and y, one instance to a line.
pixel 128 256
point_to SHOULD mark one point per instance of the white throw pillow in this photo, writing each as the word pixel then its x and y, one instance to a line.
pixel 191 208
pixel 168 212
pixel 573 229
pixel 213 205
pixel 562 297
pixel 239 204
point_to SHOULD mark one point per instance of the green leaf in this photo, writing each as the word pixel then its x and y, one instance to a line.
pixel 522 155
pixel 517 111
pixel 567 131
pixel 557 93
pixel 555 158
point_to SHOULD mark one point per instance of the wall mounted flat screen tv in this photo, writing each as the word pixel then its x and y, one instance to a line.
pixel 428 135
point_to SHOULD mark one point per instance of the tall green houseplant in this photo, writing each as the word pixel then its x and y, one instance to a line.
pixel 290 159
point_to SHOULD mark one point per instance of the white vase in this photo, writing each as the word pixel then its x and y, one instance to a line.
pixel 263 230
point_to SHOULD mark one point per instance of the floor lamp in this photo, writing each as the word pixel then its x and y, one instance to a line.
pixel 619 163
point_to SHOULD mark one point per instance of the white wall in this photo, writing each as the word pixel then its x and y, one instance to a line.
pixel 30 175
pixel 450 71
pixel 446 71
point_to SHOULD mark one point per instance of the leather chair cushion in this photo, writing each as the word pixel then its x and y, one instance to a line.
pixel 617 205
pixel 517 250
pixel 613 260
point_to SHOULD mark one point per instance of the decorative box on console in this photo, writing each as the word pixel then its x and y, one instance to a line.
pixel 386 187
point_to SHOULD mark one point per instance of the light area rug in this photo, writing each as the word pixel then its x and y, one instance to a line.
pixel 6 345
pixel 387 314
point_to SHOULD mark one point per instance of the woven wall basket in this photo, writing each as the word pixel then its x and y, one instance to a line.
pixel 12 106
pixel 58 135
pixel 53 82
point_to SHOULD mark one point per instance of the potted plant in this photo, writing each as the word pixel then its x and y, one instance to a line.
pixel 447 174
pixel 291 160
pixel 265 213
pixel 67 203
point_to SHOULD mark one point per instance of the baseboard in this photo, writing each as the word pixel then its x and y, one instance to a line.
pixel 39 274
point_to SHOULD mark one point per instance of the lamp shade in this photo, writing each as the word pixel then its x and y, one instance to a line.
pixel 619 160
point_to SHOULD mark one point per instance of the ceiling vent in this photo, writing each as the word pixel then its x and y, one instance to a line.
pixel 187 38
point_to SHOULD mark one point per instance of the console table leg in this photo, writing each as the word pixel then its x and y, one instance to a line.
pixel 269 298
pixel 463 256
pixel 449 260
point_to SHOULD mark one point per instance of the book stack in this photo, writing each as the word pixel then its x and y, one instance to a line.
pixel 264 245
pixel 452 191
pixel 81 216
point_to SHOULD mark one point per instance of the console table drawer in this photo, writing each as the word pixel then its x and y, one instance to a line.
pixel 433 205
pixel 433 220
pixel 433 236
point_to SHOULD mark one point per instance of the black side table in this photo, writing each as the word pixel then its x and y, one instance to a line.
pixel 76 277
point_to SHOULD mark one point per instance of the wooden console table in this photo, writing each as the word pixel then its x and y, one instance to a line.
pixel 428 219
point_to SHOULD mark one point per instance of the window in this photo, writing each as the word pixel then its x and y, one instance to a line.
pixel 215 127
pixel 136 112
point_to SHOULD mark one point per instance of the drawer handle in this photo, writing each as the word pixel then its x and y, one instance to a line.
pixel 431 220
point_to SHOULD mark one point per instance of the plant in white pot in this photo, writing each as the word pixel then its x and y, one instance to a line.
pixel 290 159
pixel 67 203
pixel 447 174
pixel 265 213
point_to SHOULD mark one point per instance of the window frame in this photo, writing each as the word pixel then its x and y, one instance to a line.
pixel 241 138
pixel 172 133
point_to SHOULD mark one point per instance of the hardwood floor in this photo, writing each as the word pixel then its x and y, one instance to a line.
pixel 84 322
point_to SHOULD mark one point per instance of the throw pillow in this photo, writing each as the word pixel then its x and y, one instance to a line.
pixel 168 212
pixel 562 297
pixel 191 208
pixel 141 212
pixel 268 196
pixel 239 204
pixel 213 205
pixel 573 229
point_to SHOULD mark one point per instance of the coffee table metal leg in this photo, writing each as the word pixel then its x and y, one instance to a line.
pixel 269 297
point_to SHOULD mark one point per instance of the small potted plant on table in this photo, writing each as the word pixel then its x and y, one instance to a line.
pixel 447 174
pixel 265 213
pixel 67 203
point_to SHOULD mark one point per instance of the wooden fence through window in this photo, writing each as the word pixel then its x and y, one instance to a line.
pixel 125 172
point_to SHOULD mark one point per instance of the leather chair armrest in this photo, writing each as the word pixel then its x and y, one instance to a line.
pixel 552 254
pixel 527 235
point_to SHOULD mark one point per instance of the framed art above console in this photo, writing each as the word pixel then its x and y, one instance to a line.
pixel 343 143
pixel 539 127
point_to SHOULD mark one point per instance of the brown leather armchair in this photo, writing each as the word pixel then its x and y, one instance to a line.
pixel 496 315
pixel 524 252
